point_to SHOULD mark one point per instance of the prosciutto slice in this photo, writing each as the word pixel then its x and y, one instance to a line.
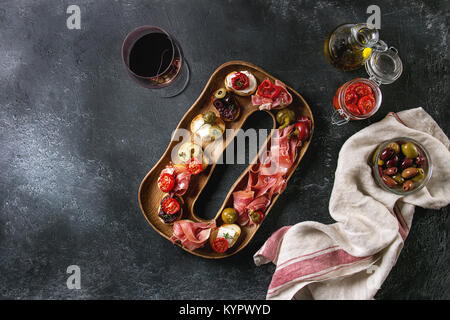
pixel 259 204
pixel 282 100
pixel 182 178
pixel 192 235
pixel 263 102
pixel 240 201
pixel 268 177
pixel 282 154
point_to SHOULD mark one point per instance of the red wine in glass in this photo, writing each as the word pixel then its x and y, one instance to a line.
pixel 154 59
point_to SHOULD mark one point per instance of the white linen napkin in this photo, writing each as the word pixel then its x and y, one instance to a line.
pixel 351 258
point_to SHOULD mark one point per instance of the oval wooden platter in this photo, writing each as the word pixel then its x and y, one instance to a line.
pixel 150 195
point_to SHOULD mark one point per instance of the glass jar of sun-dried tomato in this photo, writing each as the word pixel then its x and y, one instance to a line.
pixel 360 98
pixel 356 99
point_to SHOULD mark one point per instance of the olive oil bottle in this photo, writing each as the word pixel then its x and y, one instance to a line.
pixel 349 45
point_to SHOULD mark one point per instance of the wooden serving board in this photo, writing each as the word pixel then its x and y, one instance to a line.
pixel 149 193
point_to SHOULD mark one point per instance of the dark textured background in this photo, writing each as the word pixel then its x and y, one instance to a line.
pixel 77 135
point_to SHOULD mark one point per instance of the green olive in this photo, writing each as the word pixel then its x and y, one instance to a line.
pixel 210 117
pixel 394 146
pixel 256 218
pixel 229 215
pixel 374 156
pixel 398 178
pixel 285 117
pixel 221 93
pixel 410 150
pixel 420 175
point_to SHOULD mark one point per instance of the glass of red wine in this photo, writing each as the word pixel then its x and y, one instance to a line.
pixel 154 59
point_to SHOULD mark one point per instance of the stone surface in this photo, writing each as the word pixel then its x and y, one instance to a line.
pixel 77 135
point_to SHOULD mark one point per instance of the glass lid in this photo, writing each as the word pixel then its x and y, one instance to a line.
pixel 384 67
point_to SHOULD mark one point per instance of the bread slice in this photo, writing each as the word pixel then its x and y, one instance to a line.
pixel 180 199
pixel 197 123
pixel 233 227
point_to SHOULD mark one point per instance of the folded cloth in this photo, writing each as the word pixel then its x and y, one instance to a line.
pixel 351 258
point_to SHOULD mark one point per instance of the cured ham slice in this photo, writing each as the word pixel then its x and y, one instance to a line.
pixel 262 102
pixel 278 186
pixel 259 204
pixel 243 219
pixel 240 201
pixel 282 154
pixel 169 170
pixel 182 178
pixel 283 99
pixel 269 185
pixel 268 177
pixel 192 235
pixel 264 184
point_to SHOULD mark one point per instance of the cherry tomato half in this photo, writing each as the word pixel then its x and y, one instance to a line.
pixel 170 206
pixel 194 166
pixel 363 89
pixel 353 108
pixel 166 182
pixel 350 97
pixel 366 104
pixel 352 86
pixel 220 245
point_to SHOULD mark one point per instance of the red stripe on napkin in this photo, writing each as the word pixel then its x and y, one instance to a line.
pixel 393 114
pixel 272 245
pixel 402 225
pixel 312 266
pixel 305 255
pixel 317 275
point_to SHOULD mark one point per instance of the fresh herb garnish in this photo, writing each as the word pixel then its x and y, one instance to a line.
pixel 227 236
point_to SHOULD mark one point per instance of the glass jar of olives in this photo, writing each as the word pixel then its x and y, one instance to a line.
pixel 360 98
pixel 401 166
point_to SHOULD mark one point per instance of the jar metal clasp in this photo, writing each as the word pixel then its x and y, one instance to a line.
pixel 339 117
